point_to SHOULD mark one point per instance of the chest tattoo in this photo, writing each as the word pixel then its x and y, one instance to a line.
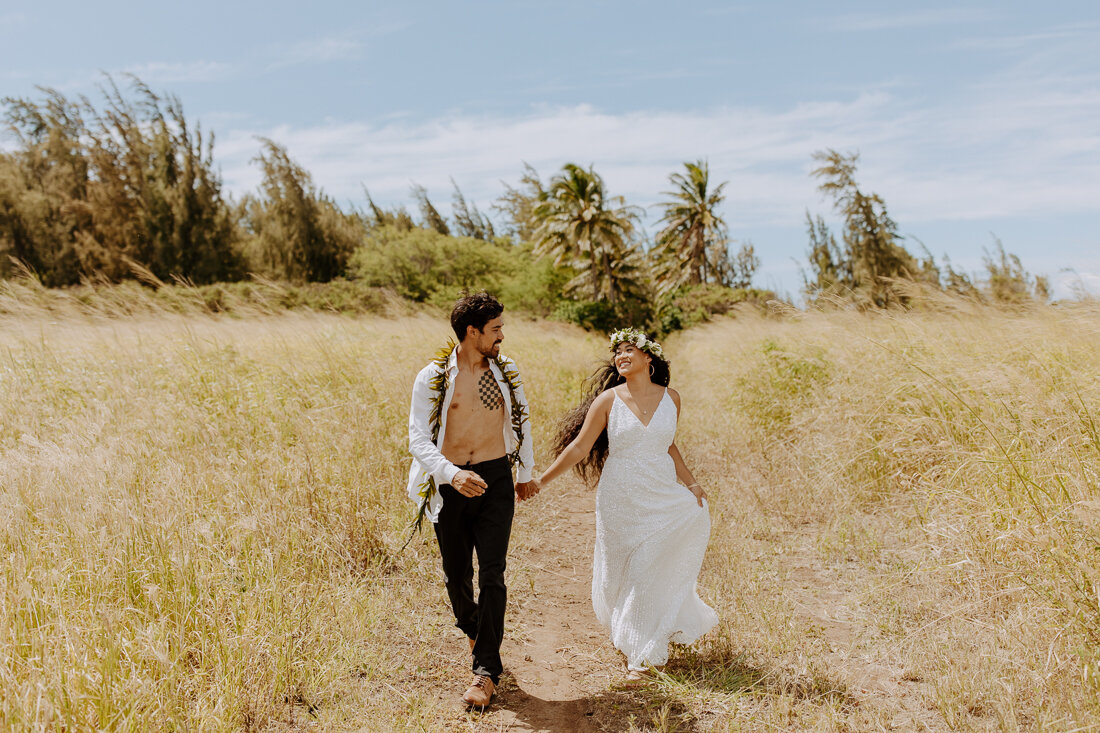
pixel 489 392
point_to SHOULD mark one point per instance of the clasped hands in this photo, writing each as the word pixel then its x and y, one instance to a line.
pixel 527 489
pixel 469 484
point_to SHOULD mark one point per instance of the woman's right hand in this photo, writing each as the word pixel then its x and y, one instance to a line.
pixel 698 492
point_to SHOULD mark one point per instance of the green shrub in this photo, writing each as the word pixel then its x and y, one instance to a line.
pixel 592 315
pixel 693 304
pixel 426 266
pixel 536 285
pixel 781 383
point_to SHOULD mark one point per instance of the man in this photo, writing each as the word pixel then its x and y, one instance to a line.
pixel 468 429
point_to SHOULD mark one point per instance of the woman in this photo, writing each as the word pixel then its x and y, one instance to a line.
pixel 651 532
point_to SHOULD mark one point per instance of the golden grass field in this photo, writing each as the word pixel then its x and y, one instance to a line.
pixel 202 520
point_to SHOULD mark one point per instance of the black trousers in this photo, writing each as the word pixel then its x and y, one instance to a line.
pixel 481 524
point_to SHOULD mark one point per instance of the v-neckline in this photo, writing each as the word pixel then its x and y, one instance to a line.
pixel 645 425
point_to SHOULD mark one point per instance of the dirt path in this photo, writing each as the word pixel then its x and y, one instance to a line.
pixel 558 662
pixel 563 675
pixel 561 671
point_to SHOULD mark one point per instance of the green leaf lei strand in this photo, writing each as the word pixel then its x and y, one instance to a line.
pixel 439 384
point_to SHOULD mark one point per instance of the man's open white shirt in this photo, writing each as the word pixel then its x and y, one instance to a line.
pixel 428 459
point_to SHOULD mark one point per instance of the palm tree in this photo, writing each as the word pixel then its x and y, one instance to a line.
pixel 619 272
pixel 582 228
pixel 692 228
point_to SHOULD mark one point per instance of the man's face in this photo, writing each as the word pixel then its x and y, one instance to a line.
pixel 487 340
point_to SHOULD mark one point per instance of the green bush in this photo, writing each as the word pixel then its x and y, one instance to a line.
pixel 605 317
pixel 536 285
pixel 294 231
pixel 782 382
pixel 694 304
pixel 430 267
pixel 426 266
pixel 592 315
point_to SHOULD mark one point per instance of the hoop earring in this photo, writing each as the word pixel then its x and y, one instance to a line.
pixel 651 369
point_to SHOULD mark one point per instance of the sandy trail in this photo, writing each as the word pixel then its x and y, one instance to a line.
pixel 563 675
pixel 558 661
pixel 560 669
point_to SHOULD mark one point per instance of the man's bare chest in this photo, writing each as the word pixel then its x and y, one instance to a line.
pixel 476 397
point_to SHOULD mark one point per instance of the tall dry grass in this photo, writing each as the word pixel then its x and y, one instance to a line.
pixel 201 520
pixel 908 507
pixel 26 297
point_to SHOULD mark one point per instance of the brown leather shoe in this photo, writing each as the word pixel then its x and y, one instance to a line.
pixel 480 693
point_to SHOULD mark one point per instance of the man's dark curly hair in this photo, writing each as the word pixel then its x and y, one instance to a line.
pixel 475 310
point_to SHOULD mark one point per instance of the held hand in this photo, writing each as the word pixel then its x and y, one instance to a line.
pixel 469 484
pixel 527 489
pixel 698 492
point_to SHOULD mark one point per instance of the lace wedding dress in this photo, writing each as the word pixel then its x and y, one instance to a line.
pixel 651 535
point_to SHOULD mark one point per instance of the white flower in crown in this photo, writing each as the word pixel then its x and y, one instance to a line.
pixel 639 339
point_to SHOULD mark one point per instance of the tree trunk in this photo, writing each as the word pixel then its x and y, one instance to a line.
pixel 610 279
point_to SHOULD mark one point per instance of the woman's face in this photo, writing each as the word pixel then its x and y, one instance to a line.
pixel 629 360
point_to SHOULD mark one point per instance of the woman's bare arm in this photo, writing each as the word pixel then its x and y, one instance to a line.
pixel 594 423
pixel 682 471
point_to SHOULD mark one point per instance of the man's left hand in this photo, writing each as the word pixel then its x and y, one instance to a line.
pixel 527 489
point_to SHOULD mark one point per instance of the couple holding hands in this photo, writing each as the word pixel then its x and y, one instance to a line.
pixel 468 433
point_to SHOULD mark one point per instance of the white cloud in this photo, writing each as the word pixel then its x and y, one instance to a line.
pixel 12 21
pixel 336 47
pixel 346 45
pixel 190 71
pixel 993 157
pixel 1073 283
pixel 634 152
pixel 861 23
pixel 1017 42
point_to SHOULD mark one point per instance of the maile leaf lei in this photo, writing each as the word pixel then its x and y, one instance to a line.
pixel 439 384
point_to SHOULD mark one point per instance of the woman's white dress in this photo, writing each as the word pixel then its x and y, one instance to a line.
pixel 651 535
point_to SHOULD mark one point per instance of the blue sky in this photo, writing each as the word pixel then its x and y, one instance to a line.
pixel 972 119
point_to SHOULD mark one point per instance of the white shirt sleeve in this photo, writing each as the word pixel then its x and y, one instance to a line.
pixel 426 452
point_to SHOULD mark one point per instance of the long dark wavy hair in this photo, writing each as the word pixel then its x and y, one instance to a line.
pixel 606 377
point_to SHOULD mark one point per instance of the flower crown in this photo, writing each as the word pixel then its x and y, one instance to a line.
pixel 639 339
